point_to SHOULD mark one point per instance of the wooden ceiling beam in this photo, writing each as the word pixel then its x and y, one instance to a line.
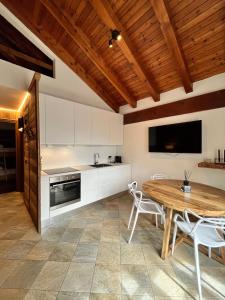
pixel 109 18
pixel 65 56
pixel 15 53
pixel 17 49
pixel 169 34
pixel 84 43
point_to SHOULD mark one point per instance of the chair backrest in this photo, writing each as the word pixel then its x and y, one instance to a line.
pixel 159 176
pixel 137 197
pixel 216 223
pixel 132 187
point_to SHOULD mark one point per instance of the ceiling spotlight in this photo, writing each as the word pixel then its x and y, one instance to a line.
pixel 116 35
pixel 110 43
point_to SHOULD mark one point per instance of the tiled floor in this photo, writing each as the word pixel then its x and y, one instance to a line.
pixel 84 255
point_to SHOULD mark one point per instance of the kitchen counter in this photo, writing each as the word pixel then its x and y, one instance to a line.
pixel 82 168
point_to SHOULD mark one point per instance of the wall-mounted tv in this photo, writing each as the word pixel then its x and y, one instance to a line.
pixel 176 138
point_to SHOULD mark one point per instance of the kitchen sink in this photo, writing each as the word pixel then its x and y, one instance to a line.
pixel 100 165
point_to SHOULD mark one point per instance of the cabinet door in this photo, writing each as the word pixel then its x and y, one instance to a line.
pixel 59 121
pixel 83 124
pixel 42 118
pixel 100 127
pixel 116 129
pixel 90 186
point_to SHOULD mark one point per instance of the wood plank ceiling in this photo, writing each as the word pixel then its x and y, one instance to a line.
pixel 166 43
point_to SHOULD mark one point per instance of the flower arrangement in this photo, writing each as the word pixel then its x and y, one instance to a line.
pixel 187 175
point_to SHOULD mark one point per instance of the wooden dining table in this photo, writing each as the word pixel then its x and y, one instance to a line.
pixel 203 199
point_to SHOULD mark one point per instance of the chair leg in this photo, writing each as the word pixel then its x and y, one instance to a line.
pixel 162 219
pixel 209 252
pixel 156 221
pixel 198 270
pixel 131 215
pixel 132 231
pixel 174 237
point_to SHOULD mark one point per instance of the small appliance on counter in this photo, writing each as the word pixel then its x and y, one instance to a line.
pixel 118 159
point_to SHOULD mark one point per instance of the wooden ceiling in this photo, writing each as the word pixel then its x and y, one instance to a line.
pixel 17 49
pixel 166 43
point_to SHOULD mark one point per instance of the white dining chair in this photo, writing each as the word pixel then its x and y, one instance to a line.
pixel 143 207
pixel 160 176
pixel 132 187
pixel 208 232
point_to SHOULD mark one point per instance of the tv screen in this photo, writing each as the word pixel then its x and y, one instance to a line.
pixel 176 138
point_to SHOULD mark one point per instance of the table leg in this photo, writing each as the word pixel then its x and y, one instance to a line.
pixel 166 235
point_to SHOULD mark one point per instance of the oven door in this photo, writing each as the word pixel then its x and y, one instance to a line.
pixel 64 193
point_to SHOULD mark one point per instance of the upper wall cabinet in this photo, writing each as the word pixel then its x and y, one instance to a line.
pixel 116 129
pixel 59 121
pixel 100 127
pixel 83 124
pixel 63 122
pixel 42 118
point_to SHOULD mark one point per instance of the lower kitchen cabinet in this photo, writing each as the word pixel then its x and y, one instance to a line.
pixel 96 184
pixel 104 182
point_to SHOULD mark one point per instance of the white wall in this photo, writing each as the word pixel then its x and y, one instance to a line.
pixel 144 163
pixel 62 156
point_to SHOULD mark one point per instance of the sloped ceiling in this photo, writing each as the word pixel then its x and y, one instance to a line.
pixel 166 43
pixel 67 84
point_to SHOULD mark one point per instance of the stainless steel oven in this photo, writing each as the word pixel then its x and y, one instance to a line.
pixel 64 190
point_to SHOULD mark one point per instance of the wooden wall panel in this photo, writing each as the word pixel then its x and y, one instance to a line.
pixel 8 115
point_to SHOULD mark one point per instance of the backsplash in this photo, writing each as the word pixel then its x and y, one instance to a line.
pixel 62 156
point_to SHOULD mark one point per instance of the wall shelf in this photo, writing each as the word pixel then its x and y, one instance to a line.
pixel 209 165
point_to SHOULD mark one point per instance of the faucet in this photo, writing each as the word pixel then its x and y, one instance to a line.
pixel 96 158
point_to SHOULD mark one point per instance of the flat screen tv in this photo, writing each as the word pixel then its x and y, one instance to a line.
pixel 176 138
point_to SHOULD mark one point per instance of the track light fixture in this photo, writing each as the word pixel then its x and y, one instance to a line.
pixel 110 43
pixel 116 36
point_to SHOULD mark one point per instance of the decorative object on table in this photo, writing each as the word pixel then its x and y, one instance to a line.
pixel 186 188
pixel 219 159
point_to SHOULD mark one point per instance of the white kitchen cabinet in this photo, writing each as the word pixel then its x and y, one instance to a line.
pixel 63 122
pixel 100 127
pixel 59 121
pixel 83 124
pixel 89 186
pixel 116 129
pixel 103 182
pixel 42 118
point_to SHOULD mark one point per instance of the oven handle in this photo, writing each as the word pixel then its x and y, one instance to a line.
pixel 64 183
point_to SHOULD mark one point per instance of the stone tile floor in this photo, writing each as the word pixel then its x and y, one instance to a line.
pixel 84 255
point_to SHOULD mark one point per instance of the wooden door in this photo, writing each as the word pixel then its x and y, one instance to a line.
pixel 32 152
pixel 26 159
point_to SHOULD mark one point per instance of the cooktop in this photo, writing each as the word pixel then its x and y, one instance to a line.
pixel 59 170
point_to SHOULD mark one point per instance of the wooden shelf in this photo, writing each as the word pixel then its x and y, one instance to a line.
pixel 209 165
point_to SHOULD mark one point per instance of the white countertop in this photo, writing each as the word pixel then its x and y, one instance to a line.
pixel 83 168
